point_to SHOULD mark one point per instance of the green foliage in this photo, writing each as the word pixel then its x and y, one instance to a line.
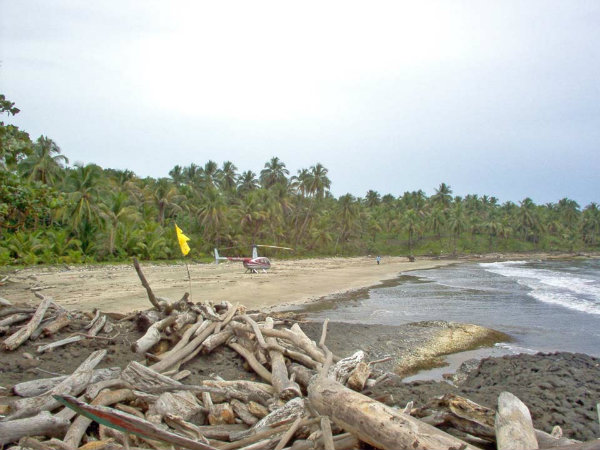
pixel 50 213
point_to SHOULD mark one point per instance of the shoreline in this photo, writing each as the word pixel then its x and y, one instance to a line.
pixel 288 285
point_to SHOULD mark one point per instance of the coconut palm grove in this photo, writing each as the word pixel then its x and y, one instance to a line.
pixel 51 212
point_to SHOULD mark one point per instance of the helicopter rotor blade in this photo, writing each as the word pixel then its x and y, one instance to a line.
pixel 274 246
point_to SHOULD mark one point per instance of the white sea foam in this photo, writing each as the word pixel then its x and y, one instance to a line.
pixel 515 349
pixel 553 287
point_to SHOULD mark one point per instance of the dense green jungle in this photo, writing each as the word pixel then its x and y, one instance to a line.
pixel 52 213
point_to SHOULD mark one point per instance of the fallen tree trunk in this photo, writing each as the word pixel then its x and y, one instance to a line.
pixel 152 336
pixel 146 285
pixel 60 322
pixel 285 388
pixel 514 427
pixel 373 422
pixel 44 424
pixel 15 340
pixel 72 385
pixel 34 388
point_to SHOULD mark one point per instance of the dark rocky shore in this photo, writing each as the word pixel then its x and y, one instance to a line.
pixel 560 388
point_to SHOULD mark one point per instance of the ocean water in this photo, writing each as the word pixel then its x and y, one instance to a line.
pixel 543 305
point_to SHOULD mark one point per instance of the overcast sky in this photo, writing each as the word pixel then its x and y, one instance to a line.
pixel 492 97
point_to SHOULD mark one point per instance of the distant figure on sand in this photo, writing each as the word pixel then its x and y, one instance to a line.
pixel 378 259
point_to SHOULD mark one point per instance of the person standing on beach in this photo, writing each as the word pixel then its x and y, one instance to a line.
pixel 378 259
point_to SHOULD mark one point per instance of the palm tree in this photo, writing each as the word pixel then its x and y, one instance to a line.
pixel 45 163
pixel 528 219
pixel 412 225
pixel 437 220
pixel 347 216
pixel 591 223
pixel 252 214
pixel 229 177
pixel 165 197
pixel 457 222
pixel 302 182
pixel 115 212
pixel 320 183
pixel 192 174
pixel 177 175
pixel 83 184
pixel 212 214
pixel 569 212
pixel 273 173
pixel 442 196
pixel 372 198
pixel 248 182
pixel 210 174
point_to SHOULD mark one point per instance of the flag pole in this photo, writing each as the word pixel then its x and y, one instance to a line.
pixel 185 249
pixel 189 278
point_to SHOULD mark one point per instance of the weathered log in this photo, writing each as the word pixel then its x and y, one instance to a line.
pixel 207 311
pixel 227 317
pixel 514 427
pixel 302 374
pixel 287 413
pixel 185 427
pixel 344 441
pixel 43 424
pixel 294 335
pixel 220 414
pixel 37 387
pixel 4 302
pixel 296 356
pixel 146 285
pixel 145 378
pixel 215 341
pixel 251 360
pixel 471 427
pixel 256 409
pixel 81 423
pixel 59 323
pixel 185 338
pixel 97 315
pixel 284 388
pixel 546 440
pixel 374 422
pixel 342 369
pixel 94 330
pixel 243 390
pixel 358 377
pixel 16 339
pixel 182 403
pixel 183 319
pixel 241 410
pixel 14 318
pixel 260 434
pixel 289 434
pixel 72 385
pixel 327 436
pixel 173 358
pixel 152 336
pixel 15 310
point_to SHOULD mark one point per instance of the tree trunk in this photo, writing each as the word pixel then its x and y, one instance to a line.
pixel 514 428
pixel 373 422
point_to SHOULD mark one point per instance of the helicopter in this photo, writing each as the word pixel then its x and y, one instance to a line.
pixel 253 263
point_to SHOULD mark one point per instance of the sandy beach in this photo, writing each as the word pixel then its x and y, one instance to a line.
pixel 117 288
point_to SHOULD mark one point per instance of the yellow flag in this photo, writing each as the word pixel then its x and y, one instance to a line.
pixel 182 238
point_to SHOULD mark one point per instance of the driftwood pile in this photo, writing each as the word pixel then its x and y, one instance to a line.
pixel 308 398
